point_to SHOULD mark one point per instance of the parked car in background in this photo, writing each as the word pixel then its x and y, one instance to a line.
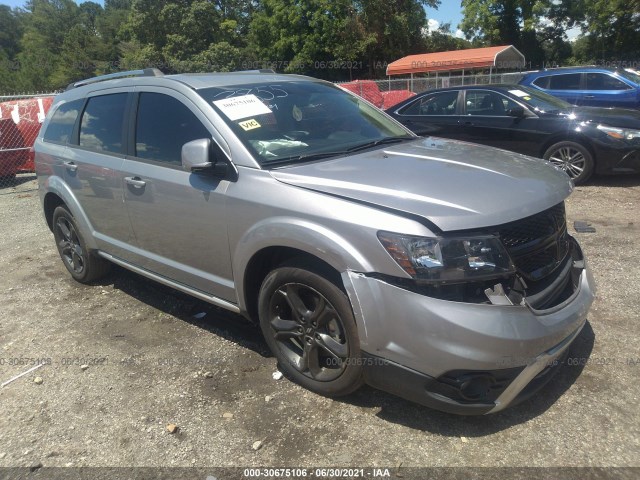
pixel 445 274
pixel 590 86
pixel 20 122
pixel 579 140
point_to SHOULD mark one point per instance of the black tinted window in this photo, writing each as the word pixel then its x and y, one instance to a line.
pixel 486 103
pixel 101 126
pixel 62 122
pixel 569 81
pixel 164 126
pixel 602 81
pixel 443 103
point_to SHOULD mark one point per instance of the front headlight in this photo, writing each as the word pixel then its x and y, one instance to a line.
pixel 620 133
pixel 449 259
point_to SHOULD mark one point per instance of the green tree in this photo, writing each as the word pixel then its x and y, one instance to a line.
pixel 507 22
pixel 442 40
pixel 10 31
pixel 182 34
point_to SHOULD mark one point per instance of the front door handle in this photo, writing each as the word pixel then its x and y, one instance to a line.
pixel 72 167
pixel 589 96
pixel 135 181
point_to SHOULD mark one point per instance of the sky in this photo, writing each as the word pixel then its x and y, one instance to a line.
pixel 449 11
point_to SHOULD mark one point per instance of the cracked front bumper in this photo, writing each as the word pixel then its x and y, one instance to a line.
pixel 413 342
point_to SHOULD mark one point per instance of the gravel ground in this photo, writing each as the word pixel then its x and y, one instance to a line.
pixel 129 356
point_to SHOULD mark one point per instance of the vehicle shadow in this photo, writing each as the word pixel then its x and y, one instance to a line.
pixel 623 181
pixel 417 417
pixel 18 180
pixel 215 320
pixel 237 329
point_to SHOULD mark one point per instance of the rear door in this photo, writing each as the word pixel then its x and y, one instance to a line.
pixel 434 114
pixel 92 169
pixel 606 90
pixel 567 86
pixel 178 217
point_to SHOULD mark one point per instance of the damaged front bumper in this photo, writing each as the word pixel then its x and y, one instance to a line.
pixel 466 358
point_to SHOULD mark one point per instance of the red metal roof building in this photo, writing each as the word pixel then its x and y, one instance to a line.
pixel 505 56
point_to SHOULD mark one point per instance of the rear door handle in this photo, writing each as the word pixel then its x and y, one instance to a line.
pixel 72 167
pixel 135 181
pixel 589 96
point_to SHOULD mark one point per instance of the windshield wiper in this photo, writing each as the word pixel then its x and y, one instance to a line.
pixel 375 143
pixel 303 158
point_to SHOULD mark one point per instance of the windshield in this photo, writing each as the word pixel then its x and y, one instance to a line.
pixel 539 101
pixel 296 121
pixel 630 75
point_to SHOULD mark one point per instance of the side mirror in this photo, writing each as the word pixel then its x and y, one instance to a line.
pixel 196 157
pixel 517 111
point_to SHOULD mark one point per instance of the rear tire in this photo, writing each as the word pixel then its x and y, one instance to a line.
pixel 309 326
pixel 83 264
pixel 573 158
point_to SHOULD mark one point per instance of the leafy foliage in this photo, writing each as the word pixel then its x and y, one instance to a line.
pixel 50 43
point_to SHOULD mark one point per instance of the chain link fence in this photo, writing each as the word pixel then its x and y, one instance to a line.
pixel 386 93
pixel 21 117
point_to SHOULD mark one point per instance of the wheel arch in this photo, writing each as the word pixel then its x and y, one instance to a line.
pixel 569 137
pixel 57 194
pixel 272 243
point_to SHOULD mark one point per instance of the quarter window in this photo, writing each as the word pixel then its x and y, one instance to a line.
pixel 62 122
pixel 443 103
pixel 164 125
pixel 101 125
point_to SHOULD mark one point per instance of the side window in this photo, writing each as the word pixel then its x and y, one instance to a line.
pixel 603 81
pixel 569 81
pixel 443 103
pixel 164 125
pixel 101 124
pixel 486 103
pixel 62 122
pixel 542 82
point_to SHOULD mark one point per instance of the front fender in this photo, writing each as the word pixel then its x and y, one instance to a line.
pixel 299 234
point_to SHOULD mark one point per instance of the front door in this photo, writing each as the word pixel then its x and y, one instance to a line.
pixel 178 217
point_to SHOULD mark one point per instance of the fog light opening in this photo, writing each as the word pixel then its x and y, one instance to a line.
pixel 477 387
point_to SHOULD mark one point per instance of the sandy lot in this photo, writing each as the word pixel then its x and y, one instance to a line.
pixel 157 357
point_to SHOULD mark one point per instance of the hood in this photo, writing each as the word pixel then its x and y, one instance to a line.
pixel 455 185
pixel 614 117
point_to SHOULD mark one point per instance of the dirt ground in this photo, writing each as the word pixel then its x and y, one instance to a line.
pixel 157 357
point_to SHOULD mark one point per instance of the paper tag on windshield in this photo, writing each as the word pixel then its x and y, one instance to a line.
pixel 519 93
pixel 242 107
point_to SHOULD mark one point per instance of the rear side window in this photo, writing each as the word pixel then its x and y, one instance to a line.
pixel 62 122
pixel 568 81
pixel 164 125
pixel 442 103
pixel 101 124
pixel 602 81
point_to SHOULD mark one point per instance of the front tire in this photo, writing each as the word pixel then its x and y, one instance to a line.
pixel 573 158
pixel 309 326
pixel 83 265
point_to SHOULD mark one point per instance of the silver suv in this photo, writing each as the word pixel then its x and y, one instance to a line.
pixel 437 270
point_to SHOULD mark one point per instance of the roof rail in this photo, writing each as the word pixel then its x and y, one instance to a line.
pixel 147 72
